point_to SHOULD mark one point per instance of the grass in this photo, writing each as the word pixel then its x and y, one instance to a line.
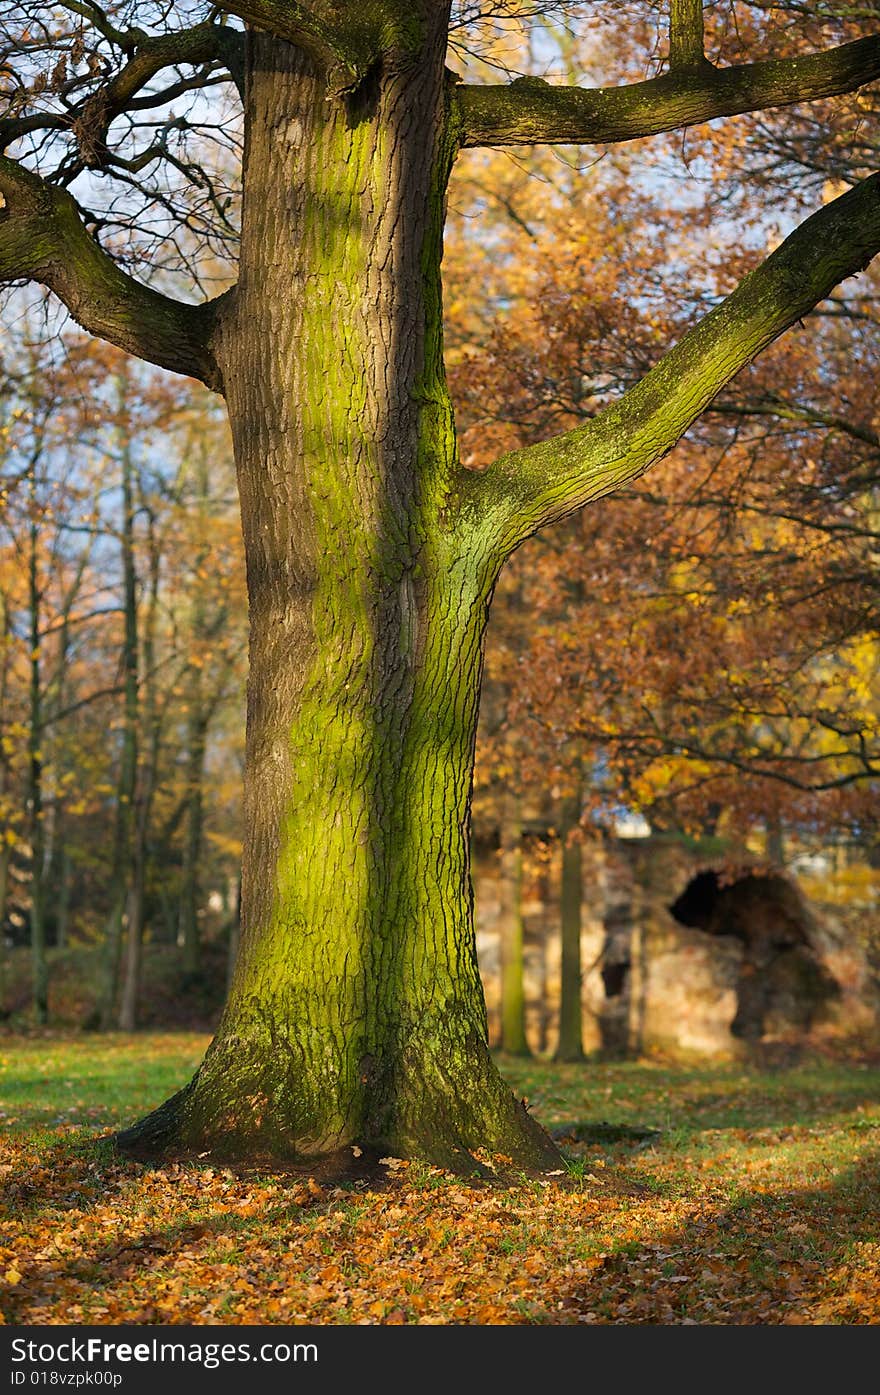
pixel 692 1194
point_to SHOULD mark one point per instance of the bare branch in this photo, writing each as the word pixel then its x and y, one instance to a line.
pixel 42 238
pixel 203 44
pixel 530 111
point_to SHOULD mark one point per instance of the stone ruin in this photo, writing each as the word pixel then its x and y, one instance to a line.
pixel 782 970
pixel 686 955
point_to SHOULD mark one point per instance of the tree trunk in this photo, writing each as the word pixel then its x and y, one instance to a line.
pixel 188 924
pixel 570 1046
pixel 234 936
pixel 118 921
pixel 7 833
pixel 620 930
pixel 57 854
pixel 5 858
pixel 39 965
pixel 145 783
pixel 775 840
pixel 62 898
pixel 356 1015
pixel 513 1008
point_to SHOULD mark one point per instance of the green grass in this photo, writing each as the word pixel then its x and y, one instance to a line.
pixel 685 1101
pixel 102 1081
pixel 711 1193
pixel 91 1080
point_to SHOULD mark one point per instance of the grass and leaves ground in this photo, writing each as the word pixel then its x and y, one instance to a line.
pixel 712 1194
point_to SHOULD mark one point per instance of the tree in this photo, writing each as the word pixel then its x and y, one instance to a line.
pixel 356 1015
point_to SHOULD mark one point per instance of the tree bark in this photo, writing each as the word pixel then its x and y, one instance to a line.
pixel 7 834
pixel 356 1014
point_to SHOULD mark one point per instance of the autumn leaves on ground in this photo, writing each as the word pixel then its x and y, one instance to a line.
pixel 724 1194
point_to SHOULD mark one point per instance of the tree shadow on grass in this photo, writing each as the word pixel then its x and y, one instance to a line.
pixel 701 1108
pixel 808 1256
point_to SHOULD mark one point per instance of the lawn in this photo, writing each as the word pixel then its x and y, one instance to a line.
pixel 710 1194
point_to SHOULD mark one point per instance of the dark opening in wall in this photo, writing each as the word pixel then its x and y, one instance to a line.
pixel 696 904
pixel 765 911
pixel 614 978
pixel 781 976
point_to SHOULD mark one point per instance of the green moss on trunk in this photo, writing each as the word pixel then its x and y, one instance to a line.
pixel 356 1016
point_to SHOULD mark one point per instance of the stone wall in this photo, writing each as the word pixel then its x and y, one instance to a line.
pixel 653 984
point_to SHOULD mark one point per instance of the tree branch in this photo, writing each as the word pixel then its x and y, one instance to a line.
pixel 346 40
pixel 686 35
pixel 147 56
pixel 528 488
pixel 202 44
pixel 42 238
pixel 530 111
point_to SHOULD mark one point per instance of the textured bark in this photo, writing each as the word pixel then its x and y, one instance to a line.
pixel 530 110
pixel 356 1014
pixel 5 782
pixel 42 238
pixel 686 35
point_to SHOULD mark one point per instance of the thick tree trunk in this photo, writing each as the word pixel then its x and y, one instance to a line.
pixel 356 1014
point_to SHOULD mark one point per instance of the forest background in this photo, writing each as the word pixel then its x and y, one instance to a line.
pixel 698 651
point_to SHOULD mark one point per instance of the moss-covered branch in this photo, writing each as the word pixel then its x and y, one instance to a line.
pixel 526 489
pixel 43 239
pixel 530 111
